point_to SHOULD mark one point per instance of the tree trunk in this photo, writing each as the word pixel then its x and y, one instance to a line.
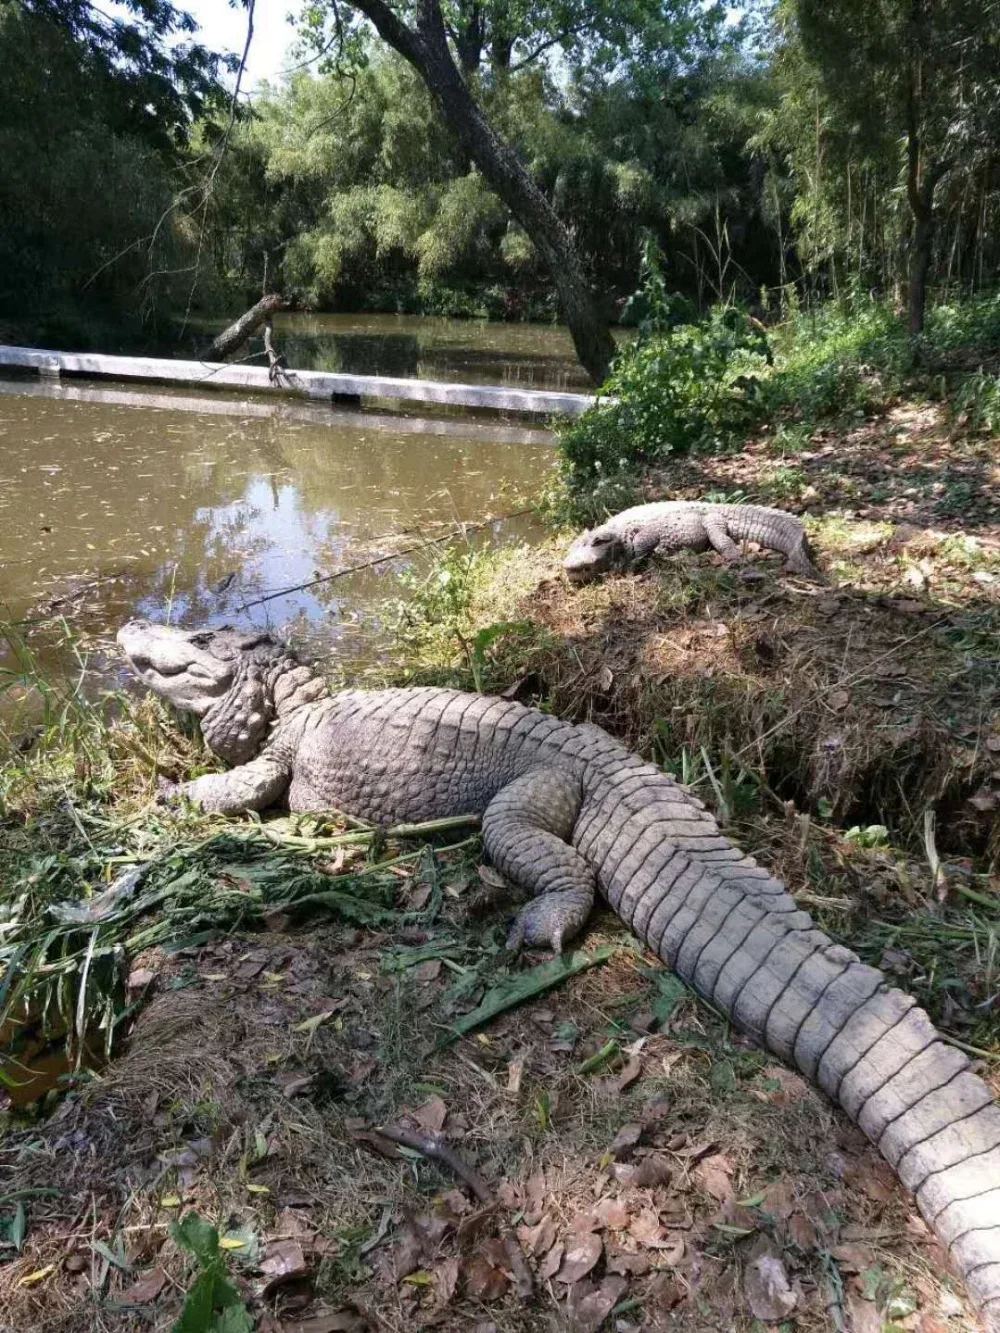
pixel 920 262
pixel 468 33
pixel 921 182
pixel 231 339
pixel 425 46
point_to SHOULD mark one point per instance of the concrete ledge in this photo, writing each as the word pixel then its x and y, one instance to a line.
pixel 304 383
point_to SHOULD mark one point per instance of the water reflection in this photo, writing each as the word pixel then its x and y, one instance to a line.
pixel 525 356
pixel 108 509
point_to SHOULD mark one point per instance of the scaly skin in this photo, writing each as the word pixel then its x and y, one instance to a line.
pixel 567 813
pixel 676 525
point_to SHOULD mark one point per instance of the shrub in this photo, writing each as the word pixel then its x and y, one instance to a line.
pixel 678 386
pixel 843 357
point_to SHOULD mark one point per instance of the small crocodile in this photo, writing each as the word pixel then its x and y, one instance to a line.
pixel 676 525
pixel 567 813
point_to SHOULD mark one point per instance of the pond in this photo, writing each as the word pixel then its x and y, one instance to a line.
pixel 120 502
pixel 524 356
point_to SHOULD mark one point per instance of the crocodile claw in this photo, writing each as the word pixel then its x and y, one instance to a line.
pixel 167 792
pixel 547 918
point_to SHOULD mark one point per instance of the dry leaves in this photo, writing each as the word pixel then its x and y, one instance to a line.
pixel 485 1274
pixel 446 1274
pixel 648 1230
pixel 340 1321
pixel 767 1289
pixel 539 1239
pixel 146 1288
pixel 589 1305
pixel 630 1073
pixel 611 1213
pixel 284 1262
pixel 715 1176
pixel 550 1265
pixel 626 1139
pixel 652 1171
pixel 875 1180
pixel 582 1253
pixel 431 1115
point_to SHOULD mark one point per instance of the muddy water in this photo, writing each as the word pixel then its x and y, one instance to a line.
pixel 117 503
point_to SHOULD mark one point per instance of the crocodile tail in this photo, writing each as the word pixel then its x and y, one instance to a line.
pixel 736 935
pixel 777 531
pixel 878 1055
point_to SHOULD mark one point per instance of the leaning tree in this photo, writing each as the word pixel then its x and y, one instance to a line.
pixel 455 45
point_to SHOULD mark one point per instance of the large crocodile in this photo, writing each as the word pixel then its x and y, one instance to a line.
pixel 569 812
pixel 677 525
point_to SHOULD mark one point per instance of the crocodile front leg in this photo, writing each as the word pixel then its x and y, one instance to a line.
pixel 525 832
pixel 252 786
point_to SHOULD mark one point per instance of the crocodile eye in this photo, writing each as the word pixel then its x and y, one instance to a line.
pixel 602 539
pixel 200 640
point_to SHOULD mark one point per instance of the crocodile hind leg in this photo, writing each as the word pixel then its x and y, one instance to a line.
pixel 718 536
pixel 525 831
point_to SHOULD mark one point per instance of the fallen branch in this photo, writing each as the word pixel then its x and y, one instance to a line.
pixel 363 836
pixel 233 338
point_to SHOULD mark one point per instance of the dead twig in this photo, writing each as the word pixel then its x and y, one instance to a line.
pixel 276 363
pixel 436 1147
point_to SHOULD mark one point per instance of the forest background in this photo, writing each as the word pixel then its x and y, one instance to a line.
pixel 774 154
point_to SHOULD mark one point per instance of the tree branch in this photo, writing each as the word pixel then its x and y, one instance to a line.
pixel 547 45
pixel 436 1147
pixel 393 30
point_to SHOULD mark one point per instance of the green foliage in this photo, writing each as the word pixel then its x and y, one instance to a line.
pixel 839 358
pixel 438 600
pixel 149 80
pixel 971 325
pixel 87 176
pixel 212 1305
pixel 675 388
pixel 763 155
pixel 977 400
pixel 683 387
pixel 886 112
pixel 366 200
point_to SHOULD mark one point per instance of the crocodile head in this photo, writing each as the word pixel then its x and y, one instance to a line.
pixel 594 553
pixel 225 677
